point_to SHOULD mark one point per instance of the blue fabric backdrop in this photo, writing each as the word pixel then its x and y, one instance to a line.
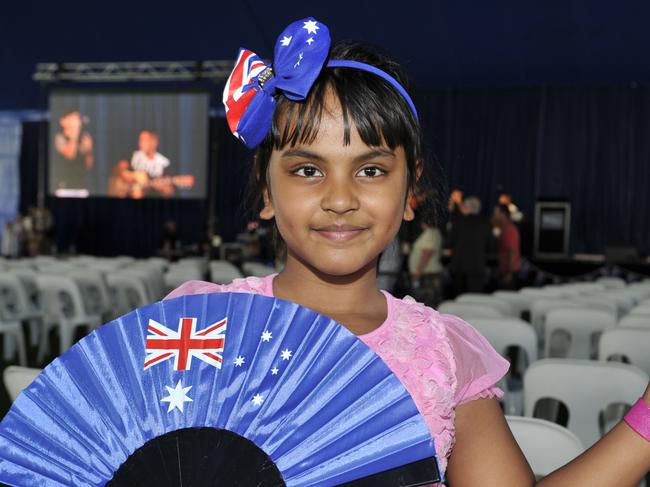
pixel 10 139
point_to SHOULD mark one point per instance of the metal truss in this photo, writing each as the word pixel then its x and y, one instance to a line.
pixel 218 70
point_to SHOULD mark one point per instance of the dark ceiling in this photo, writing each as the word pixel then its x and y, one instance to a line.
pixel 443 43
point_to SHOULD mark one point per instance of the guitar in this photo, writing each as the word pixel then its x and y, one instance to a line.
pixel 126 183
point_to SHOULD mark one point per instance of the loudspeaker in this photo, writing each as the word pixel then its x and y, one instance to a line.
pixel 552 229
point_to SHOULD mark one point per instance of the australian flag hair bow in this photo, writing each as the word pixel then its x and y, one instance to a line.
pixel 249 95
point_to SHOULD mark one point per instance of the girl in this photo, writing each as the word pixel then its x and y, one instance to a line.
pixel 338 153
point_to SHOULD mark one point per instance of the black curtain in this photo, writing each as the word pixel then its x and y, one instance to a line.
pixel 589 145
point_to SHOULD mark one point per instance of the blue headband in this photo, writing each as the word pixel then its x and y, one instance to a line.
pixel 300 54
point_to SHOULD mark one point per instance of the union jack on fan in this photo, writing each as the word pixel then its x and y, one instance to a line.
pixel 163 344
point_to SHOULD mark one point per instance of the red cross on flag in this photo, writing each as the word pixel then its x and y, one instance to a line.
pixel 164 343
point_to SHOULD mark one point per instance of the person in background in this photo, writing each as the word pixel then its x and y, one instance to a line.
pixel 425 267
pixel 75 146
pixel 170 242
pixel 147 158
pixel 509 249
pixel 470 241
pixel 516 215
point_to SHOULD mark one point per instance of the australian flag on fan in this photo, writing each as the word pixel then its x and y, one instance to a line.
pixel 246 362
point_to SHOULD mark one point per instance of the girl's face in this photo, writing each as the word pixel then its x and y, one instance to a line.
pixel 336 206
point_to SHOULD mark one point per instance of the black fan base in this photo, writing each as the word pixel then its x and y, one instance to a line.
pixel 198 457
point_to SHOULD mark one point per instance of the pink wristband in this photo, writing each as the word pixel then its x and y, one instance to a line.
pixel 638 418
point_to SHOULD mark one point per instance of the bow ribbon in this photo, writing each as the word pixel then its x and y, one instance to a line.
pixel 249 95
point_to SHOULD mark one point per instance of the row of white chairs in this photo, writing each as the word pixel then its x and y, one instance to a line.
pixel 49 293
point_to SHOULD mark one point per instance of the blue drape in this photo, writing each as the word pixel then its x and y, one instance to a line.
pixel 10 139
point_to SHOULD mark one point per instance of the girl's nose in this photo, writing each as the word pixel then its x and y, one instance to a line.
pixel 339 196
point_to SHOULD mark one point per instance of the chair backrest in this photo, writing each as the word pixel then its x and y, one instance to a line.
pixel 612 282
pixel 547 446
pixel 635 321
pixel 519 302
pixel 128 290
pixel 631 343
pixel 223 272
pixel 257 269
pixel 541 307
pixel 502 306
pixel 61 297
pixel 94 290
pixel 18 378
pixel 583 327
pixel 641 310
pixel 506 332
pixel 597 304
pixel 14 302
pixel 586 387
pixel 467 311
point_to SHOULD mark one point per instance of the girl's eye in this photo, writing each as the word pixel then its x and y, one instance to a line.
pixel 308 172
pixel 371 172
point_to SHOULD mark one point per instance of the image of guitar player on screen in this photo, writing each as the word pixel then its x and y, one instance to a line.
pixel 145 175
pixel 74 145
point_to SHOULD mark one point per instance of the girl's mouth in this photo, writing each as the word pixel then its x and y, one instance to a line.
pixel 340 233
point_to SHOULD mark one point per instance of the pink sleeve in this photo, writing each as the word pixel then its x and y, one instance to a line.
pixel 194 287
pixel 478 366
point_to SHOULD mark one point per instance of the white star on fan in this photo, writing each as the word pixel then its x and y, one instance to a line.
pixel 258 399
pixel 286 40
pixel 239 361
pixel 274 371
pixel 177 397
pixel 286 354
pixel 311 27
pixel 266 336
pixel 310 40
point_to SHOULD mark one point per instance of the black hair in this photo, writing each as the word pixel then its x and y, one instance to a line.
pixel 380 114
pixel 504 210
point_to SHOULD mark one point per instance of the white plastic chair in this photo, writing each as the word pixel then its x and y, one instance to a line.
pixel 503 333
pixel 178 273
pixel 547 446
pixel 18 378
pixel 153 279
pixel 64 309
pixel 597 304
pixel 13 334
pixel 641 310
pixel 519 302
pixel 631 343
pixel 612 282
pixel 223 272
pixel 501 305
pixel 467 311
pixel 635 321
pixel 21 305
pixel 582 327
pixel 257 269
pixel 128 291
pixel 95 293
pixel 541 307
pixel 507 332
pixel 586 387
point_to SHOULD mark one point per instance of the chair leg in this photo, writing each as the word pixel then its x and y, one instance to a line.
pixel 9 347
pixel 35 326
pixel 44 341
pixel 20 342
pixel 66 331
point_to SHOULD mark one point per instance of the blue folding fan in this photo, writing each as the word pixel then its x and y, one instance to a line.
pixel 223 389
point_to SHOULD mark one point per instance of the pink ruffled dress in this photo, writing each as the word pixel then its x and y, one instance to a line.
pixel 441 360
